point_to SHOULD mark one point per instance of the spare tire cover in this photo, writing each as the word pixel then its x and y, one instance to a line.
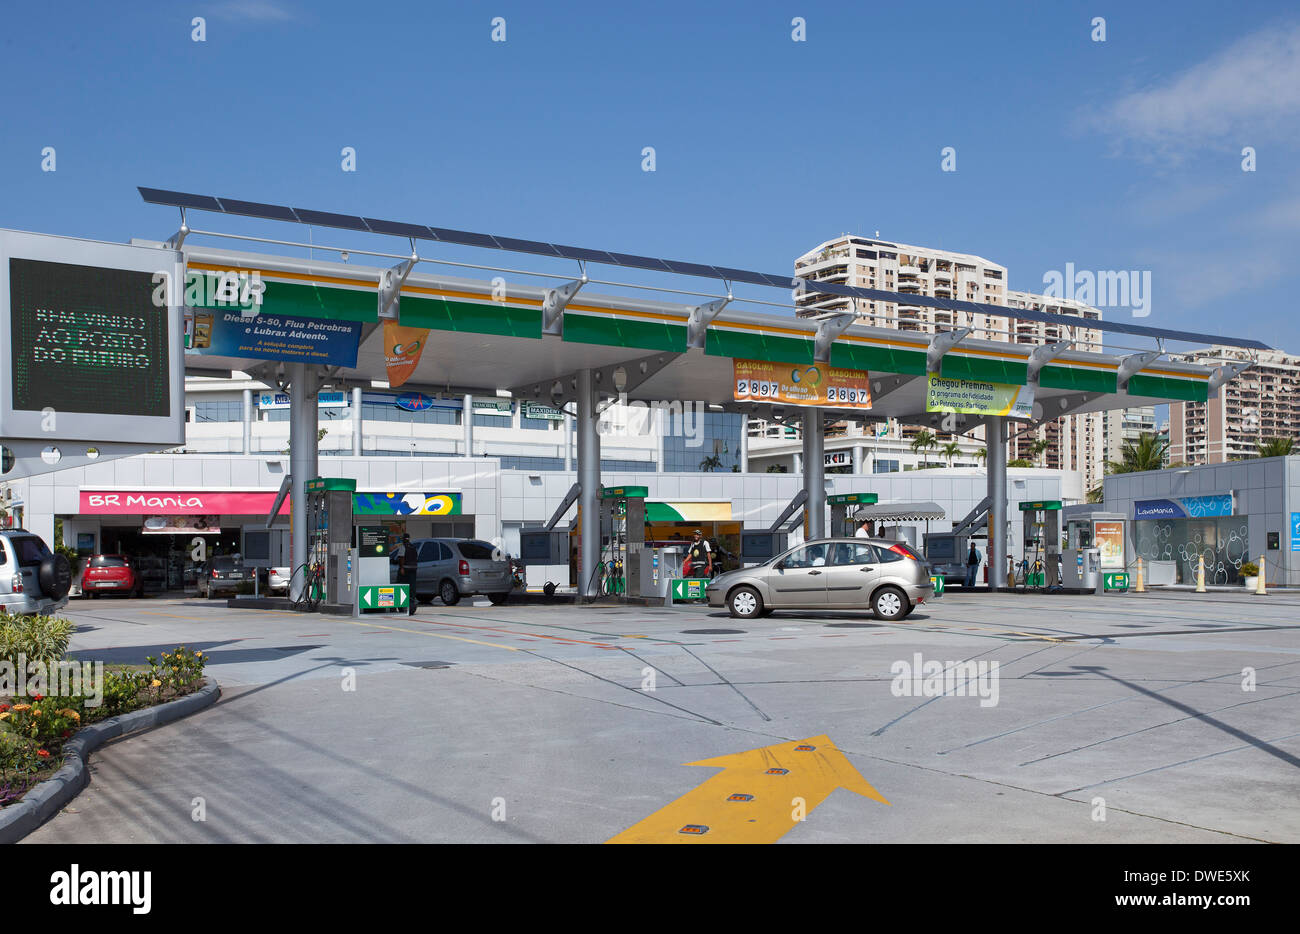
pixel 55 577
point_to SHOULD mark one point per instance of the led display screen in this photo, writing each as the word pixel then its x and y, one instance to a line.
pixel 87 339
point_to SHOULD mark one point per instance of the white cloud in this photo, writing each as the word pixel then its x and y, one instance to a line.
pixel 1239 96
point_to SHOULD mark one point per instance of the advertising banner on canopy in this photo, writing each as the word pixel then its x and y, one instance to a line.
pixel 402 349
pixel 977 397
pixel 275 337
pixel 819 384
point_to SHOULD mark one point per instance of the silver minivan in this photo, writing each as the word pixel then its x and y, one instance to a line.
pixel 451 568
pixel 32 578
pixel 884 577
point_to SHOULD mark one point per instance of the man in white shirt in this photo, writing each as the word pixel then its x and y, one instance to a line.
pixel 864 530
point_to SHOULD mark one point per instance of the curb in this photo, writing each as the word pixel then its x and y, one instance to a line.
pixel 48 798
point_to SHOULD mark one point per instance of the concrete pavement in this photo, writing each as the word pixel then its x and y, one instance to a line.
pixel 571 724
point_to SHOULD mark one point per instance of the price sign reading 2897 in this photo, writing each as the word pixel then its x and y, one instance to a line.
pixel 87 351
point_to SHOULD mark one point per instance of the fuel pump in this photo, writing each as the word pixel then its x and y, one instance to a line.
pixel 1040 543
pixel 628 564
pixel 841 525
pixel 329 535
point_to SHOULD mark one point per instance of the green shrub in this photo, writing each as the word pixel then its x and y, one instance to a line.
pixel 19 756
pixel 1249 569
pixel 122 693
pixel 38 638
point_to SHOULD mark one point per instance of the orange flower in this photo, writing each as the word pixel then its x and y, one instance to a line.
pixel 43 753
pixel 36 712
pixel 21 707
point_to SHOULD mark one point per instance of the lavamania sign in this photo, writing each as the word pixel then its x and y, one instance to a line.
pixel 1184 507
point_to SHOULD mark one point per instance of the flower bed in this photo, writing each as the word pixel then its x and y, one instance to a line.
pixel 34 726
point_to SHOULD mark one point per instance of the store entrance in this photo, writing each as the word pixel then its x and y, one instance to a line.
pixel 165 561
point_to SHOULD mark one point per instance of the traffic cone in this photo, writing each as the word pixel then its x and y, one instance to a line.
pixel 1200 574
pixel 1259 580
pixel 1141 586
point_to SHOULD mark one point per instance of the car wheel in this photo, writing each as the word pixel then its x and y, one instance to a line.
pixel 745 603
pixel 498 598
pixel 890 603
pixel 448 593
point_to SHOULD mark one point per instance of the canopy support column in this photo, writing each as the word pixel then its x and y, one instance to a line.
pixel 814 472
pixel 589 481
pixel 995 430
pixel 303 465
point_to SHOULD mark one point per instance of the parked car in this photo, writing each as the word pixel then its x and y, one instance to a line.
pixel 223 574
pixel 277 580
pixel 32 578
pixel 153 572
pixel 887 578
pixel 111 574
pixel 451 568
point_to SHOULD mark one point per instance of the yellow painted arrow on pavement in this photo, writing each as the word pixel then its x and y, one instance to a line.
pixel 757 797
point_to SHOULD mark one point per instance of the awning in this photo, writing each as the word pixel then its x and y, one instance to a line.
pixel 687 511
pixel 899 512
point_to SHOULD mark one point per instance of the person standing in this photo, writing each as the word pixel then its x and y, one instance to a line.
pixel 410 564
pixel 699 555
pixel 973 558
pixel 864 530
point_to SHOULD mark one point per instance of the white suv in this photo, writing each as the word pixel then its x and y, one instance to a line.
pixel 32 578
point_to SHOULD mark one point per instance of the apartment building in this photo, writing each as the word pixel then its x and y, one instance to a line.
pixel 1127 426
pixel 1073 442
pixel 1261 403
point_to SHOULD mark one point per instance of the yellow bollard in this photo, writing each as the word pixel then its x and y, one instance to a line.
pixel 1141 586
pixel 1200 574
pixel 1259 581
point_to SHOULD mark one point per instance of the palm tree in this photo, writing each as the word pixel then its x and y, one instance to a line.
pixel 982 454
pixel 1147 454
pixel 924 441
pixel 1038 448
pixel 1276 447
pixel 951 450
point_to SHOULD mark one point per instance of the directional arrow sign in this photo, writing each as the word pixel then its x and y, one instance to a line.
pixel 756 798
pixel 367 596
pixel 403 595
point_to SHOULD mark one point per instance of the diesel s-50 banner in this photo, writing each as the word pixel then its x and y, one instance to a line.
pixel 797 384
pixel 977 397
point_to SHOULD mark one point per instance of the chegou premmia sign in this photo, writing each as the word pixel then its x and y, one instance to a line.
pixel 818 384
pixel 977 397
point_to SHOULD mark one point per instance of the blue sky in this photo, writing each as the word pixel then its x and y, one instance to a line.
pixel 1116 155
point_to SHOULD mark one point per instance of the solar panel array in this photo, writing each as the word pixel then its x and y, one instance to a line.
pixel 780 281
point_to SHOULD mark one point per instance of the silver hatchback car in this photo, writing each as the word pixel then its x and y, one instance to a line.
pixel 884 577
pixel 451 568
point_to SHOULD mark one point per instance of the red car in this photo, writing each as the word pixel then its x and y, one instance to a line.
pixel 111 574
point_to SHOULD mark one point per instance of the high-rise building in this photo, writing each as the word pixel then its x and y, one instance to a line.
pixel 1127 426
pixel 1260 404
pixel 1073 442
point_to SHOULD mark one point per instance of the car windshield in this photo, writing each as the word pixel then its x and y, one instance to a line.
pixel 940 549
pixel 227 564
pixel 476 549
pixel 108 561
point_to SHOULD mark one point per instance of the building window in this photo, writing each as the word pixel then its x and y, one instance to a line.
pixel 885 466
pixel 491 421
pixel 219 411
